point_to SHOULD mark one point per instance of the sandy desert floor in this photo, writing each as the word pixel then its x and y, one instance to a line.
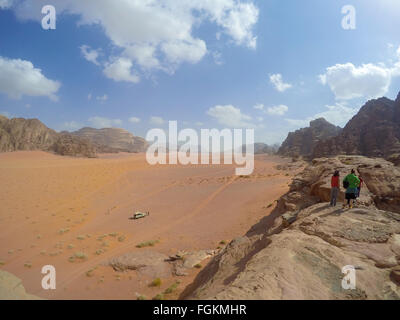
pixel 52 207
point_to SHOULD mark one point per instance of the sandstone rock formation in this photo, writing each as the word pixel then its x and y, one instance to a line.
pixel 11 288
pixel 299 251
pixel 152 264
pixel 373 132
pixel 113 140
pixel 301 143
pixel 30 134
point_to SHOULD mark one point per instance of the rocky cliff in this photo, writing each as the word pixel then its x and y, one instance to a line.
pixel 30 134
pixel 373 132
pixel 301 143
pixel 110 140
pixel 299 251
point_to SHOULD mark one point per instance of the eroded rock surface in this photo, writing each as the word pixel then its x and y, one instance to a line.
pixel 298 252
pixel 11 288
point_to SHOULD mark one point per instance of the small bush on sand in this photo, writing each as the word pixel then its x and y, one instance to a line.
pixel 151 243
pixel 160 296
pixel 141 297
pixel 2 263
pixel 156 283
pixel 62 231
pixel 198 266
pixel 172 288
pixel 80 255
pixel 28 265
pixel 223 242
pixel 81 237
pixel 113 234
pixel 121 239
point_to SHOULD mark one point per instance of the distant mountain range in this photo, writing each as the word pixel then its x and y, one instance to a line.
pixel 373 132
pixel 111 140
pixel 30 134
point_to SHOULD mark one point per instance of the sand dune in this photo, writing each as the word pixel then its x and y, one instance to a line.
pixel 54 208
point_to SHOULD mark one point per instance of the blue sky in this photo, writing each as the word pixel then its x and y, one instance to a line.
pixel 272 65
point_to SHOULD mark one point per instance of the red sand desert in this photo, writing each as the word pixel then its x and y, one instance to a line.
pixel 52 207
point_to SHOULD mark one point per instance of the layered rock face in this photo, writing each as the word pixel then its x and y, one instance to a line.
pixel 301 143
pixel 373 132
pixel 299 251
pixel 113 140
pixel 31 134
pixel 22 134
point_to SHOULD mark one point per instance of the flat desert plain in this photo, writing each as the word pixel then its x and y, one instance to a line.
pixel 73 214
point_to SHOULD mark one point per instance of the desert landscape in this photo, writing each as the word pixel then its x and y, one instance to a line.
pixel 94 94
pixel 73 213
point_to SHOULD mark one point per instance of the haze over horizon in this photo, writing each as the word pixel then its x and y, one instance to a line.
pixel 207 64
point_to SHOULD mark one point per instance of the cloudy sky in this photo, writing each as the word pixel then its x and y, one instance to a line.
pixel 272 65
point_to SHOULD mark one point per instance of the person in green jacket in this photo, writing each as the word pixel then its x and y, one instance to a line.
pixel 351 182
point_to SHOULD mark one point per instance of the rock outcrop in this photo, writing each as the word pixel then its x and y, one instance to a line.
pixel 11 288
pixel 300 250
pixel 111 140
pixel 301 143
pixel 30 134
pixel 373 132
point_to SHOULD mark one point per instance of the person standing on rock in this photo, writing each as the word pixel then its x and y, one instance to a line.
pixel 351 184
pixel 334 188
pixel 359 186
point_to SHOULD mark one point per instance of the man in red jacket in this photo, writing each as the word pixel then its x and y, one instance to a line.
pixel 335 188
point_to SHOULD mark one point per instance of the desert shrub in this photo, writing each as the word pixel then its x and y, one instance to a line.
pixel 151 243
pixel 172 288
pixel 160 296
pixel 156 283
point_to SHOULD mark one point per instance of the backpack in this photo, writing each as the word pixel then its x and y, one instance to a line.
pixel 345 184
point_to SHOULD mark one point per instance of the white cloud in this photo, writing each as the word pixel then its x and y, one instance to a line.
pixel 192 51
pixel 230 116
pixel 338 115
pixel 398 52
pixel 277 110
pixel 20 77
pixel 121 70
pixel 279 84
pixel 134 120
pixel 348 81
pixel 155 34
pixel 157 121
pixel 5 4
pixel 71 126
pixel 259 106
pixel 100 122
pixel 90 55
pixel 89 97
pixel 102 98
